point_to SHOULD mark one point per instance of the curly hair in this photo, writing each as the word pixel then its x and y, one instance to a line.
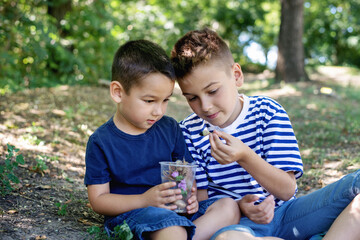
pixel 199 47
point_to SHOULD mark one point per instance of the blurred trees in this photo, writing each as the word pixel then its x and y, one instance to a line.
pixel 47 42
pixel 332 32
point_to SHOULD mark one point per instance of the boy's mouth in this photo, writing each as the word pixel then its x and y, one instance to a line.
pixel 212 116
pixel 150 121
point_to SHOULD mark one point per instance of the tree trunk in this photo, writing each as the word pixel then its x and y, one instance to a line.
pixel 290 65
pixel 58 10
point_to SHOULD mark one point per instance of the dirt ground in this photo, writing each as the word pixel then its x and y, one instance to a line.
pixel 52 126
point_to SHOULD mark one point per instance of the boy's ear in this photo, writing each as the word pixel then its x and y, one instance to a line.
pixel 238 74
pixel 116 91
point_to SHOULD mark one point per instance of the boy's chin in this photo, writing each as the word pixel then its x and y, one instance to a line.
pixel 220 124
pixel 214 122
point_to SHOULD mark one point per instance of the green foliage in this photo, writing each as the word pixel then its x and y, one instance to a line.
pixel 38 49
pixel 40 165
pixel 121 232
pixel 7 175
pixel 62 208
pixel 97 233
pixel 332 32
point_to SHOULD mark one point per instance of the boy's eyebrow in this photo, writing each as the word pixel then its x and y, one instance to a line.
pixel 154 96
pixel 207 86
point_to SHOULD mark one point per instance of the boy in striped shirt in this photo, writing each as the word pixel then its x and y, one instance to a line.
pixel 251 153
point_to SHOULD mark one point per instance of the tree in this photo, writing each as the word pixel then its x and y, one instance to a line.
pixel 58 10
pixel 332 32
pixel 290 63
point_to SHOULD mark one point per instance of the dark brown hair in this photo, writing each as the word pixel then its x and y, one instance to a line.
pixel 199 47
pixel 136 59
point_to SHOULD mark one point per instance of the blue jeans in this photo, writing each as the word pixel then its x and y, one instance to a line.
pixel 150 219
pixel 311 214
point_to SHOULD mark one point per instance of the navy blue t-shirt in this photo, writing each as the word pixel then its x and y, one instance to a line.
pixel 131 162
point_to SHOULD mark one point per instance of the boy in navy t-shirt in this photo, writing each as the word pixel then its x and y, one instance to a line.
pixel 123 155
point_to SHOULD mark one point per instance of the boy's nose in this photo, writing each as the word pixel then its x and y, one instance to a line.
pixel 205 105
pixel 158 110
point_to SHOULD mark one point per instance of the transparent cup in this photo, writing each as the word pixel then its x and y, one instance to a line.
pixel 183 174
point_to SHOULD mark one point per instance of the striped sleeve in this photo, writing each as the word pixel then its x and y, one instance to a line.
pixel 189 127
pixel 279 146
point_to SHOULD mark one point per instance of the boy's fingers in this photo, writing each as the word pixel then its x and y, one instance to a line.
pixel 167 185
pixel 250 198
pixel 171 198
pixel 214 136
pixel 215 142
pixel 219 144
pixel 227 137
pixel 269 198
pixel 170 192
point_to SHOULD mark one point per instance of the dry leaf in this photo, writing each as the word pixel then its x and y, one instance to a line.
pixel 44 187
pixel 40 237
pixel 85 221
pixel 12 211
pixel 58 112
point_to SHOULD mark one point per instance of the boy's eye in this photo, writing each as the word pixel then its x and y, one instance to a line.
pixel 148 101
pixel 213 91
pixel 190 99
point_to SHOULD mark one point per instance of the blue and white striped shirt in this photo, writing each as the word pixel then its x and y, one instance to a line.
pixel 265 127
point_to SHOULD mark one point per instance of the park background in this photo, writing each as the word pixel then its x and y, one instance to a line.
pixel 55 60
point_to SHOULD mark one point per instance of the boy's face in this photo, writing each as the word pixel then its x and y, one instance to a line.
pixel 211 91
pixel 144 105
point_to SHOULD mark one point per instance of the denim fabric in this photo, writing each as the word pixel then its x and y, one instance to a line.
pixel 311 214
pixel 148 220
pixel 238 227
pixel 151 219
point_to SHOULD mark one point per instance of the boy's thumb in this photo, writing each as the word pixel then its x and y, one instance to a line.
pixel 251 198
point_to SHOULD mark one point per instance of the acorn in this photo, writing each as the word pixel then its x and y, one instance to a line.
pixel 180 204
pixel 205 132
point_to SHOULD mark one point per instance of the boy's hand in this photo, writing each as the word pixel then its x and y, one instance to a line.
pixel 231 151
pixel 161 195
pixel 262 213
pixel 193 206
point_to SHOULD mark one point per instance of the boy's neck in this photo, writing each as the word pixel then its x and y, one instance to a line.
pixel 118 120
pixel 239 110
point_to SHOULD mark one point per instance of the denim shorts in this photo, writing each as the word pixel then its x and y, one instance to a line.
pixel 151 219
pixel 311 214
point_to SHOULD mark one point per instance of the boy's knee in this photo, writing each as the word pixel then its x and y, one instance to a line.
pixel 356 182
pixel 173 232
pixel 229 208
pixel 230 235
pixel 357 202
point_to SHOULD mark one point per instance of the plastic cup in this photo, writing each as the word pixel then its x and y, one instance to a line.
pixel 184 175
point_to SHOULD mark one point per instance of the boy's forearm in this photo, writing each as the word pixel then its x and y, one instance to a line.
pixel 106 203
pixel 279 183
pixel 114 204
pixel 202 195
